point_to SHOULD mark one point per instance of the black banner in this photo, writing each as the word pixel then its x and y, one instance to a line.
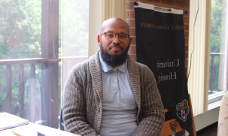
pixel 160 44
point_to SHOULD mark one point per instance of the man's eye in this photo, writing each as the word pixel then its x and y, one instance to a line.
pixel 122 36
pixel 110 35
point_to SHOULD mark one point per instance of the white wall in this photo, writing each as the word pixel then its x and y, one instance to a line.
pixel 209 117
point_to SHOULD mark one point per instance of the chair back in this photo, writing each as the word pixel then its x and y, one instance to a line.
pixel 61 124
pixel 171 126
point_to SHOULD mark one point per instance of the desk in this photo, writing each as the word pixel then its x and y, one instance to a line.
pixel 43 129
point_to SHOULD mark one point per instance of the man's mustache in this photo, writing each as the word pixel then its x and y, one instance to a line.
pixel 115 45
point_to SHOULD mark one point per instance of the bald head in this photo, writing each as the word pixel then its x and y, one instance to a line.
pixel 114 48
pixel 116 23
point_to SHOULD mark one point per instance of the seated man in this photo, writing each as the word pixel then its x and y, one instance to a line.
pixel 110 94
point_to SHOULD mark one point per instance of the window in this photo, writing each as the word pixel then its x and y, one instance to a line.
pixel 218 51
pixel 74 35
pixel 40 41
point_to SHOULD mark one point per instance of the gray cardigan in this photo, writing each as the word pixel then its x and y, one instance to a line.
pixel 83 94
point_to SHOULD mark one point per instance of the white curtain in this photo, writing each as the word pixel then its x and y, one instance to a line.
pixel 199 50
pixel 114 8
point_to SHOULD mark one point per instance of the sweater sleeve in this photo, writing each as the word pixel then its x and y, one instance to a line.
pixel 73 106
pixel 152 113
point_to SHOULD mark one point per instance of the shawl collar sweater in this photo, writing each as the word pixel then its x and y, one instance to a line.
pixel 83 95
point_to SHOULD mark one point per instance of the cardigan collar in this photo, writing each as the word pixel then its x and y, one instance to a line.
pixel 133 70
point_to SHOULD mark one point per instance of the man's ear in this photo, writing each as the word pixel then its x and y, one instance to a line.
pixel 99 39
pixel 130 39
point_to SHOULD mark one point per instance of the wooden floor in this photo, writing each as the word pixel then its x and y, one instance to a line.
pixel 209 131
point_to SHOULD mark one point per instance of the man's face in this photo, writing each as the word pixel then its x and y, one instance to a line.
pixel 109 45
pixel 114 48
pixel 114 60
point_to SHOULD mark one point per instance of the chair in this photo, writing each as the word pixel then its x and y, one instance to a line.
pixel 171 126
pixel 61 124
pixel 223 117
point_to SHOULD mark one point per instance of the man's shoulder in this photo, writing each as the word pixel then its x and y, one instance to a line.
pixel 81 65
pixel 139 68
pixel 84 65
pixel 142 67
pixel 133 62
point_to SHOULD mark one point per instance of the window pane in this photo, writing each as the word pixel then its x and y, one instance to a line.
pixel 75 27
pixel 218 49
pixel 28 73
pixel 20 41
pixel 74 34
pixel 40 41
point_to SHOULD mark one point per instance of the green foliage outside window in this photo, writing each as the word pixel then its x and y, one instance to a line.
pixel 217 42
pixel 20 22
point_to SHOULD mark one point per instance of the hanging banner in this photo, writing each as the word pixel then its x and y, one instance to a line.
pixel 160 44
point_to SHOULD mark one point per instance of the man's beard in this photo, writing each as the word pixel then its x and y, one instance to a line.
pixel 115 60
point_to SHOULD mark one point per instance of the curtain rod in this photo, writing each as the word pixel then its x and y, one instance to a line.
pixel 136 4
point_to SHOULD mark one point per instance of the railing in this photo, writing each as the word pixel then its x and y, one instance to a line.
pixel 212 56
pixel 74 60
pixel 21 63
pixel 48 101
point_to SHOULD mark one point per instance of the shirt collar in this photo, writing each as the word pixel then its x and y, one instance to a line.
pixel 106 68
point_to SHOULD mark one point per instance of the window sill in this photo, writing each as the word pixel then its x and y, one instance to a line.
pixel 214 98
pixel 202 120
pixel 214 105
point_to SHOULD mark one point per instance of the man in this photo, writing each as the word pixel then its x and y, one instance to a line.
pixel 110 94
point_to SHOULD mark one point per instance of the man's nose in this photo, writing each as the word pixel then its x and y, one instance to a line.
pixel 116 39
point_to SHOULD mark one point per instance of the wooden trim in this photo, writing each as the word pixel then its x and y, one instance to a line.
pixel 8 107
pixel 193 122
pixel 21 90
pixel 27 61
